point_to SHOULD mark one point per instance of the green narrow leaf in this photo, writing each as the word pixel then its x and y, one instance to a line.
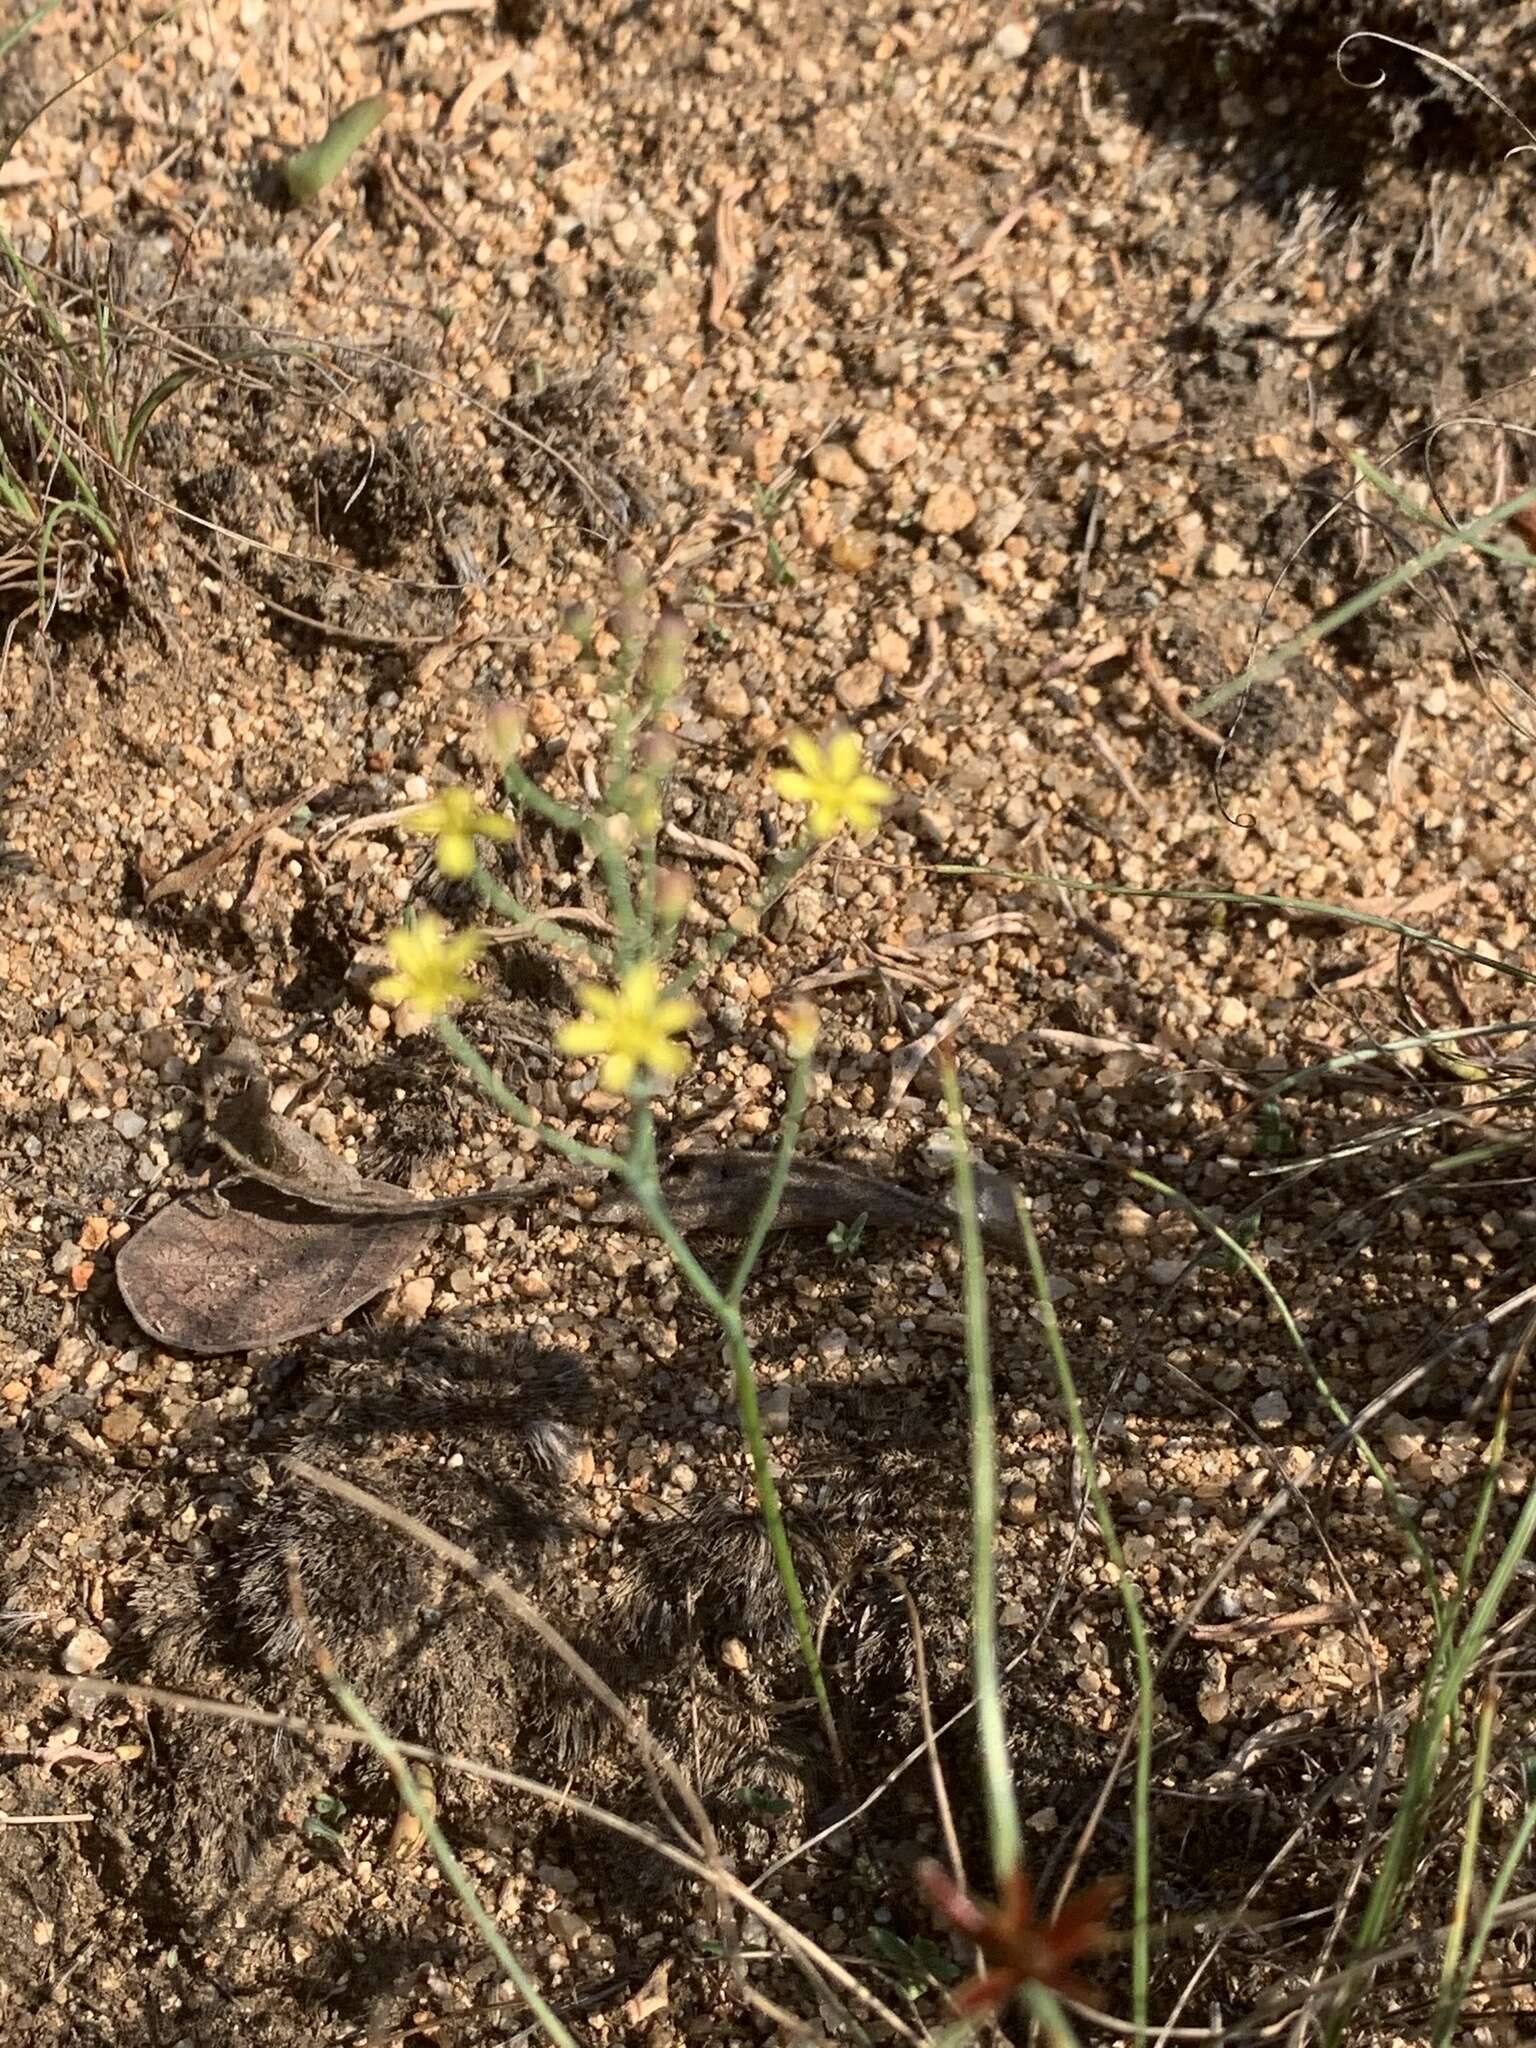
pixel 307 173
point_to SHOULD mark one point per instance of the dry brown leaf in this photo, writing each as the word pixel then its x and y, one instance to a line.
pixel 256 1269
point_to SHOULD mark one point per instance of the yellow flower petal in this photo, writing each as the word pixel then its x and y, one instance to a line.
pixel 845 757
pixel 618 1071
pixel 802 749
pixel 429 965
pixel 455 855
pixel 633 1029
pixel 583 1035
pixel 791 784
pixel 676 1014
pixel 833 782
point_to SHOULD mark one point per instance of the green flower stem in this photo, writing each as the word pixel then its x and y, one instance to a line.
pixel 523 790
pixel 639 1172
pixel 497 1092
pixel 992 1733
pixel 620 895
pixel 410 1796
pixel 506 905
pixel 783 1159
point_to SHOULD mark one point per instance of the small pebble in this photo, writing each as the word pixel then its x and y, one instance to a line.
pixel 415 1299
pixel 129 1125
pixel 1271 1409
pixel 883 444
pixel 835 464
pixel 727 698
pixel 855 551
pixel 949 509
pixel 122 1424
pixel 86 1651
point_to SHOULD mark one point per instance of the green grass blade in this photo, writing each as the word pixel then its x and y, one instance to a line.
pixel 1141 1867
pixel 1466 1869
pixel 1240 1252
pixel 148 406
pixel 1510 1864
pixel 1515 558
pixel 1273 664
pixel 307 173
pixel 1289 906
pixel 10 37
pixel 410 1796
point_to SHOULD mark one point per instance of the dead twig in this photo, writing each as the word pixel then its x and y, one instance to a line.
pixel 1166 697
pixel 475 88
pixel 564 1801
pixel 428 10
pixel 1258 1628
pixel 729 261
pixel 990 242
pixel 193 873
pixel 715 849
pixel 906 1063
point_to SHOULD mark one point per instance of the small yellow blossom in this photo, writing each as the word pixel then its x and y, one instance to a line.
pixel 633 1028
pixel 832 780
pixel 457 820
pixel 800 1025
pixel 429 965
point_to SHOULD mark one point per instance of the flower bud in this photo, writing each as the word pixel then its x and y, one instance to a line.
pixel 627 623
pixel 664 656
pixel 800 1024
pixel 674 893
pixel 629 574
pixel 504 730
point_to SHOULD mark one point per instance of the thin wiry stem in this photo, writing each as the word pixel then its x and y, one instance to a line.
pixel 639 1172
pixel 783 1160
pixel 1141 1864
pixel 406 1786
pixel 992 1734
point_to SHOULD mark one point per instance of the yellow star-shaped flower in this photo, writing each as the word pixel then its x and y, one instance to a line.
pixel 457 821
pixel 429 965
pixel 832 780
pixel 633 1028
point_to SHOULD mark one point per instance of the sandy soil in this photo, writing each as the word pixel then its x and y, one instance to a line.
pixel 982 379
